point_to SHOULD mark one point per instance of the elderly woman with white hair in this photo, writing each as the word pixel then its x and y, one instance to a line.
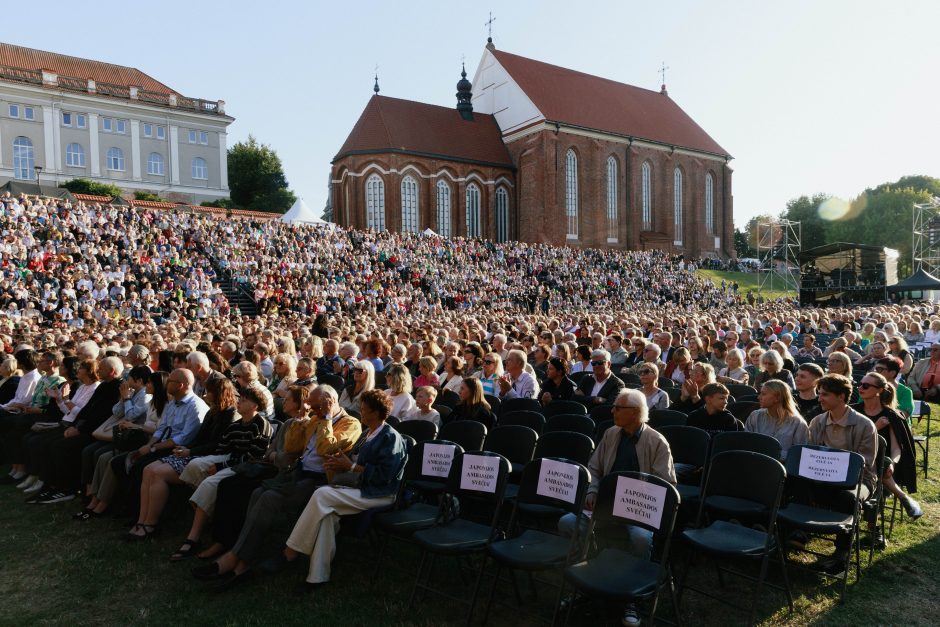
pixel 772 369
pixel 629 445
pixel 245 374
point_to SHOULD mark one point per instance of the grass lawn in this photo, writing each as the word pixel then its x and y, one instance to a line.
pixel 746 281
pixel 57 571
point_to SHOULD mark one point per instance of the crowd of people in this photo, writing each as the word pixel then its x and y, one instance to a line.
pixel 125 372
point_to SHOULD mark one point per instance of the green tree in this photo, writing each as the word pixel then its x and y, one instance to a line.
pixel 256 178
pixel 147 196
pixel 221 203
pixel 84 186
pixel 805 210
pixel 742 248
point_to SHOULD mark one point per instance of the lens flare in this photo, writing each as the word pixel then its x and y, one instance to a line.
pixel 834 209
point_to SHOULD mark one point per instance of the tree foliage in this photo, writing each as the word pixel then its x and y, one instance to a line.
pixel 742 247
pixel 256 178
pixel 221 203
pixel 84 186
pixel 139 195
pixel 805 209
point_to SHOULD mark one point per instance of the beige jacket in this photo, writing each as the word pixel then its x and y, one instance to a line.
pixel 861 435
pixel 652 451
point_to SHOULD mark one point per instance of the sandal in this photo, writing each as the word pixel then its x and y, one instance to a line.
pixel 186 550
pixel 86 514
pixel 149 532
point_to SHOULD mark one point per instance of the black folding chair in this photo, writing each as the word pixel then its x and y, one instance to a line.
pixel 449 398
pixel 570 422
pixel 667 418
pixel 743 476
pixel 746 441
pixel 443 410
pixel 555 484
pixel 675 394
pixel 494 402
pixel 665 383
pixel 817 519
pixel 689 447
pixel 743 409
pixel 420 430
pixel 468 434
pixel 630 378
pixel 923 441
pixel 615 574
pixel 530 419
pixel 559 407
pixel 739 389
pixel 519 404
pixel 514 442
pixel 600 413
pixel 577 447
pixel 462 531
pixel 601 429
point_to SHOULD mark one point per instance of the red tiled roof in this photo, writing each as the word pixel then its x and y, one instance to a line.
pixel 579 99
pixel 64 65
pixel 392 124
pixel 153 204
pixel 91 198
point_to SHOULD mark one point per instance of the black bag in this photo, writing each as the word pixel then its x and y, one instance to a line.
pixel 254 469
pixel 129 439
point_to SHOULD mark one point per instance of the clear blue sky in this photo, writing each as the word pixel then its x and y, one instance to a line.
pixel 808 96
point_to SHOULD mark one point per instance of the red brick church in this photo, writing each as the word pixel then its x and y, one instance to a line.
pixel 538 153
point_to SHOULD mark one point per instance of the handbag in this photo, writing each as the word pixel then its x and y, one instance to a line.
pixel 129 439
pixel 255 469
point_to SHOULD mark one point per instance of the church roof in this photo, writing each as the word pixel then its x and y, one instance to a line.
pixel 76 67
pixel 396 125
pixel 571 97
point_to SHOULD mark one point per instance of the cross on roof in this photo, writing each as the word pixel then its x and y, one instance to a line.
pixel 662 71
pixel 489 25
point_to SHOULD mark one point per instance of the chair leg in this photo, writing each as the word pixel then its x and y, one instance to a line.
pixel 783 571
pixel 476 591
pixel 561 593
pixel 492 594
pixel 675 599
pixel 515 586
pixel 379 554
pixel 414 591
pixel 760 582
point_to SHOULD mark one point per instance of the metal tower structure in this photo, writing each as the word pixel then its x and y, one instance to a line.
pixel 778 248
pixel 926 236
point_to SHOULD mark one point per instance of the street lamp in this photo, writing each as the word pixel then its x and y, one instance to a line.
pixel 38 169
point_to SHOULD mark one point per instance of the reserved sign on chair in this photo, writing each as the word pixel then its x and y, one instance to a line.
pixel 480 473
pixel 832 466
pixel 640 501
pixel 558 480
pixel 437 460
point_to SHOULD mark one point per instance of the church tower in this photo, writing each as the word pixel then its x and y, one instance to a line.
pixel 464 95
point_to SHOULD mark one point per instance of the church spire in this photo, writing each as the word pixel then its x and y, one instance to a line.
pixel 464 95
pixel 662 71
pixel 375 88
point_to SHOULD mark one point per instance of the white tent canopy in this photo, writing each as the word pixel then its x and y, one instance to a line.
pixel 300 212
pixel 429 232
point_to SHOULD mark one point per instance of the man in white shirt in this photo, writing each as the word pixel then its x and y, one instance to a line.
pixel 516 382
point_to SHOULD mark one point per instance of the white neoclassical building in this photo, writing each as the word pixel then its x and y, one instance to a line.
pixel 64 117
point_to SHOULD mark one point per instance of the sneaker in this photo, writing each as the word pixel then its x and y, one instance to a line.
pixel 631 616
pixel 28 482
pixel 56 497
pixel 875 537
pixel 36 488
pixel 40 494
pixel 912 508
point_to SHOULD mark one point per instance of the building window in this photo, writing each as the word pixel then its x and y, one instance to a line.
pixel 502 215
pixel 571 193
pixel 155 164
pixel 192 136
pixel 611 199
pixel 23 161
pixel 677 206
pixel 443 209
pixel 80 121
pixel 375 203
pixel 66 119
pixel 473 210
pixel 14 111
pixel 28 113
pixel 148 130
pixel 75 156
pixel 204 138
pixel 709 203
pixel 116 159
pixel 161 132
pixel 409 205
pixel 200 171
pixel 647 196
pixel 120 126
pixel 107 125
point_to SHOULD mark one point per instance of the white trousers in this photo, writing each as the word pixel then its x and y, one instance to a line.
pixel 315 531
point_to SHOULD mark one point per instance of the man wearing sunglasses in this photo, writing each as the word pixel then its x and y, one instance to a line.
pixel 602 386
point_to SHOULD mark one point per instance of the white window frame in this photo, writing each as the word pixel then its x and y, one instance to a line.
pixel 571 194
pixel 75 158
pixel 81 121
pixel 115 159
pixel 375 203
pixel 66 119
pixel 24 159
pixel 107 125
pixel 677 210
pixel 28 113
pixel 612 222
pixel 409 205
pixel 502 215
pixel 443 209
pixel 709 203
pixel 14 110
pixel 148 129
pixel 151 162
pixel 120 127
pixel 200 169
pixel 161 132
pixel 204 138
pixel 646 192
pixel 192 136
pixel 473 210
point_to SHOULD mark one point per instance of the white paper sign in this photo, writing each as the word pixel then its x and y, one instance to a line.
pixel 640 501
pixel 437 459
pixel 479 473
pixel 917 409
pixel 824 465
pixel 558 480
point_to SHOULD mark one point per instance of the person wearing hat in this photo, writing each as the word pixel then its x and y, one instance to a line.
pixel 602 386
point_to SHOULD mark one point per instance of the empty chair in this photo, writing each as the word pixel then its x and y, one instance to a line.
pixel 494 402
pixel 577 447
pixel 666 418
pixel 519 404
pixel 600 413
pixel 742 409
pixel 449 398
pixel 443 410
pixel 514 442
pixel 468 434
pixel 739 389
pixel 558 407
pixel 531 419
pixel 745 441
pixel 420 430
pixel 689 447
pixel 570 422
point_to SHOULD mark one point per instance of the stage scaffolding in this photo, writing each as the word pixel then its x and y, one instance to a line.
pixel 778 248
pixel 926 236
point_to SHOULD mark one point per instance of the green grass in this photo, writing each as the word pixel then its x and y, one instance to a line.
pixel 746 281
pixel 57 571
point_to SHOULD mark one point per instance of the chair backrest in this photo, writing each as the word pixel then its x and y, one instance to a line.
pixel 449 398
pixel 636 498
pixel 480 478
pixel 745 475
pixel 665 383
pixel 380 379
pixel 393 421
pixel 559 407
pixel 689 445
pixel 570 422
pixel 519 404
pixel 420 430
pixel 443 410
pixel 553 482
pixel 742 409
pixel 746 441
pixel 667 418
pixel 334 381
pixel 577 447
pixel 431 461
pixel 739 389
pixel 494 402
pixel 514 442
pixel 531 419
pixel 600 413
pixel 750 398
pixel 577 376
pixel 469 434
pixel 602 428
pixel 675 394
pixel 629 378
pixel 822 465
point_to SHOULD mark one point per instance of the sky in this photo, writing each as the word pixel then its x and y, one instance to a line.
pixel 807 96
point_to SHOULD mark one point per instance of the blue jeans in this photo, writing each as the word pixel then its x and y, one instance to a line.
pixel 639 543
